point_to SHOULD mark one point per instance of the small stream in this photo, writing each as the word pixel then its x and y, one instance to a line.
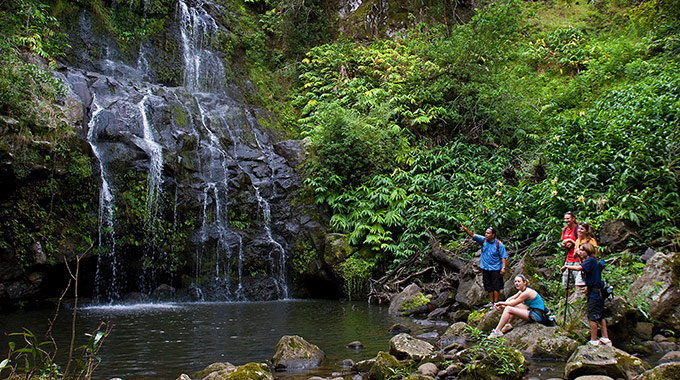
pixel 161 341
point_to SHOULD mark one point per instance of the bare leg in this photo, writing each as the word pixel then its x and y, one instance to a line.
pixel 510 312
pixel 491 297
pixel 603 324
pixel 593 330
pixel 496 296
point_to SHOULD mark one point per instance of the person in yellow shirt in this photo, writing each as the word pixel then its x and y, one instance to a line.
pixel 585 235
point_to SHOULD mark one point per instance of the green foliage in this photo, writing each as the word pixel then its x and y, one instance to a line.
pixel 491 358
pixel 356 271
pixel 601 141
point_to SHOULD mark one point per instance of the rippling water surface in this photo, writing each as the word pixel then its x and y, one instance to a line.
pixel 161 341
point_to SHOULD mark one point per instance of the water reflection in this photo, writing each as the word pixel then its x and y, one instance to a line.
pixel 154 341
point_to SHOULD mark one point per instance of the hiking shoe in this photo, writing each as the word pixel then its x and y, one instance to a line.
pixel 489 305
pixel 507 327
pixel 606 341
pixel 594 343
pixel 495 334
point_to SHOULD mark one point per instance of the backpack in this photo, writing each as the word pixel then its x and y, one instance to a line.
pixel 575 230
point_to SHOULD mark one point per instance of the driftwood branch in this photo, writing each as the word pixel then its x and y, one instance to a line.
pixel 442 255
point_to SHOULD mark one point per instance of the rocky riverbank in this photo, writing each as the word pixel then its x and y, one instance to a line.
pixel 645 346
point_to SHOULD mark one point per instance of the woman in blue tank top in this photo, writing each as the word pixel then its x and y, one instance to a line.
pixel 527 304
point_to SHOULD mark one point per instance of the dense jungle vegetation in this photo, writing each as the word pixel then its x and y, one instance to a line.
pixel 509 120
pixel 501 113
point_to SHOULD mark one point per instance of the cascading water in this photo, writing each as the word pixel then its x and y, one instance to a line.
pixel 153 191
pixel 107 259
pixel 193 141
pixel 196 24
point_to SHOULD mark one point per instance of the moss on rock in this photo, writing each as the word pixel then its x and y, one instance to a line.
pixel 414 302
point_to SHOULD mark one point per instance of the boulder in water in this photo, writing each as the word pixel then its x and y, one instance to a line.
pixel 398 329
pixel 163 292
pixel 293 352
pixel 249 371
pixel 404 346
pixel 400 299
pixel 215 367
pixel 603 360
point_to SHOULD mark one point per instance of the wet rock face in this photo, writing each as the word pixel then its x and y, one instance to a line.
pixel 293 352
pixel 603 360
pixel 187 174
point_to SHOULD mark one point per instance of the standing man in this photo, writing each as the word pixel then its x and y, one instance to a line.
pixel 492 262
pixel 569 236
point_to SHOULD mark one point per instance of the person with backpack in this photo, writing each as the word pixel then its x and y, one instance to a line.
pixel 492 261
pixel 527 304
pixel 592 275
pixel 569 237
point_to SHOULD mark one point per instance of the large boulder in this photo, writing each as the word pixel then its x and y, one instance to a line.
pixel 453 334
pixel 603 360
pixel 471 289
pixel 404 346
pixel 336 249
pixel 489 320
pixel 539 341
pixel 665 371
pixel 293 352
pixel 524 266
pixel 660 284
pixel 616 233
pixel 410 297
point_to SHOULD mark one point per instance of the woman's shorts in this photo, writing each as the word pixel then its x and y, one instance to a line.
pixel 534 317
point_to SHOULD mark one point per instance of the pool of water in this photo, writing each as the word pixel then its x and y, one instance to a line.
pixel 161 341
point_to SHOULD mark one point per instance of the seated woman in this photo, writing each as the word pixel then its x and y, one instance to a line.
pixel 527 304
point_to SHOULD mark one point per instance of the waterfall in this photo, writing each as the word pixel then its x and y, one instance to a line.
pixel 153 192
pixel 223 180
pixel 107 259
pixel 195 25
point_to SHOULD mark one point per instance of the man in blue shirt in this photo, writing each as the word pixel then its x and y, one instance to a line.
pixel 492 262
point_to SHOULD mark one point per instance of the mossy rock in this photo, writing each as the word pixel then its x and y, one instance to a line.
pixel 661 372
pixel 416 302
pixel 385 367
pixel 293 352
pixel 215 367
pixel 249 371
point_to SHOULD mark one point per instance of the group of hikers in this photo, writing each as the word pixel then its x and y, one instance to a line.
pixel 580 268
